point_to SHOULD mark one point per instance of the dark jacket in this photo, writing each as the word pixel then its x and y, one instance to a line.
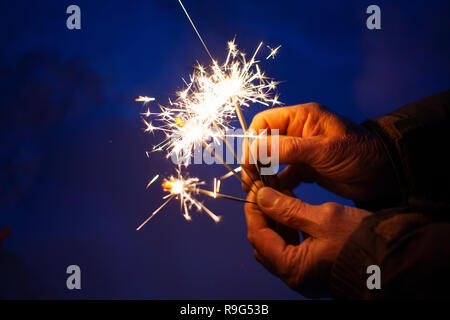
pixel 409 238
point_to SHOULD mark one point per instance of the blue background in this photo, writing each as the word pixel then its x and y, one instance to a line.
pixel 73 168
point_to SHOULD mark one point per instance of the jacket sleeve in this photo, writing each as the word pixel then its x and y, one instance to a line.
pixel 416 138
pixel 411 250
pixel 410 243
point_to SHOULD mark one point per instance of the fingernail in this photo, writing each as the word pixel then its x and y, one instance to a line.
pixel 267 197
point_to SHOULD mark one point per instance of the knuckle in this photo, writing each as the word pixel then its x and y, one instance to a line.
pixel 290 145
pixel 285 271
pixel 257 119
pixel 259 116
pixel 330 211
pixel 290 212
pixel 287 267
pixel 315 106
pixel 334 145
pixel 330 207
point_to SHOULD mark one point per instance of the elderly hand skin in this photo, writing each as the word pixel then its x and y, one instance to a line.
pixel 304 267
pixel 341 156
pixel 320 146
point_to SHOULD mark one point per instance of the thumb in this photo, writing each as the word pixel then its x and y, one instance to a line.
pixel 289 211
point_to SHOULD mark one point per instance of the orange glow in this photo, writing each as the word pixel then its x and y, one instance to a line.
pixel 173 186
pixel 180 122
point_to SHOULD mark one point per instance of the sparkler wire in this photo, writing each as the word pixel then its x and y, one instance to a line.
pixel 155 212
pixel 237 107
pixel 198 34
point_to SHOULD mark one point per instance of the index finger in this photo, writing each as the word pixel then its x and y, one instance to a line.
pixel 288 120
pixel 255 218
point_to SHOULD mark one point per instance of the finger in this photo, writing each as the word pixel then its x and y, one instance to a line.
pixel 255 218
pixel 249 176
pixel 287 149
pixel 270 247
pixel 260 122
pixel 289 211
pixel 277 256
pixel 288 120
pixel 291 236
pixel 304 120
pixel 266 263
pixel 268 244
pixel 249 173
pixel 303 152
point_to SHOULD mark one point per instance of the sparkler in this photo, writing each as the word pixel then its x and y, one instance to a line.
pixel 203 111
pixel 201 114
pixel 185 190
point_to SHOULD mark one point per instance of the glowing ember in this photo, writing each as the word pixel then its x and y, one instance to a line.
pixel 183 189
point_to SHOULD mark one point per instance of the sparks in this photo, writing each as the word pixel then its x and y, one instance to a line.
pixel 186 189
pixel 183 189
pixel 203 111
pixel 149 127
pixel 145 99
pixel 206 107
pixel 146 114
pixel 229 174
pixel 273 52
pixel 151 181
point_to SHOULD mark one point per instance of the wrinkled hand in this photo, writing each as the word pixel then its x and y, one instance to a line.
pixel 320 146
pixel 305 267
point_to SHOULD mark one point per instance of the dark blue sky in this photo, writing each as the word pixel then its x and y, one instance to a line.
pixel 72 160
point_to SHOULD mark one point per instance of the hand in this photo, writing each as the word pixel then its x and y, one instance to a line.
pixel 305 267
pixel 320 146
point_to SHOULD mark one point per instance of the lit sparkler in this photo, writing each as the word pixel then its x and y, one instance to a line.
pixel 204 110
pixel 201 115
pixel 185 190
